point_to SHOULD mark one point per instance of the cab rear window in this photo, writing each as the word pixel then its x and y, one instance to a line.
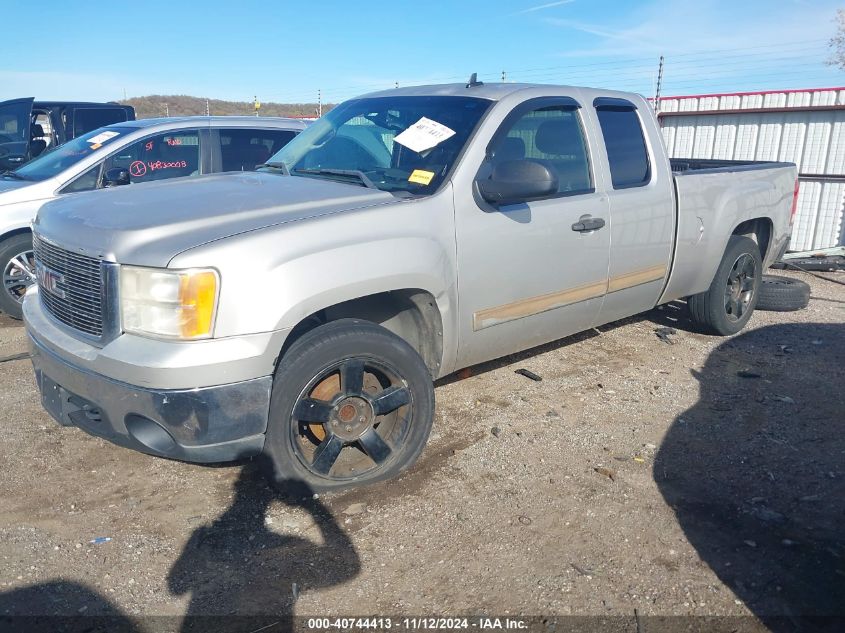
pixel 625 143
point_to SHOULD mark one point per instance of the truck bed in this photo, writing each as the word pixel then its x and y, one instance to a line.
pixel 714 194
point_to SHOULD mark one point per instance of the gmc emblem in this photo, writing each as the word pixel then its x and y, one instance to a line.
pixel 49 280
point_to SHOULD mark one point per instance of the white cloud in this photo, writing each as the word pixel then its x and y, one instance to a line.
pixel 540 7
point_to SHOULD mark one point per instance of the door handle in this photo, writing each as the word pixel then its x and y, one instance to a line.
pixel 587 223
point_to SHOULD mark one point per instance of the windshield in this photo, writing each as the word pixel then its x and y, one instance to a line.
pixel 393 143
pixel 60 158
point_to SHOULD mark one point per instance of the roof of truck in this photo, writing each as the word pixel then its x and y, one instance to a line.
pixel 492 91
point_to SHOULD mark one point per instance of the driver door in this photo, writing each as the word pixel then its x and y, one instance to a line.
pixel 15 119
pixel 527 275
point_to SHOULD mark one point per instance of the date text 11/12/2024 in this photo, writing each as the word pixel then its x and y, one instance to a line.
pixel 418 623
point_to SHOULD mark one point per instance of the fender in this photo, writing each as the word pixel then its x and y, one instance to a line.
pixel 274 278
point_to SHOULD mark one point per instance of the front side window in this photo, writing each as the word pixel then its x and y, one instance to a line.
pixel 243 149
pixel 626 148
pixel 87 119
pixel 401 144
pixel 553 136
pixel 168 155
pixel 55 161
pixel 86 182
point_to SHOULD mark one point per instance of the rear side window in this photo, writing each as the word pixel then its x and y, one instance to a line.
pixel 625 143
pixel 87 119
pixel 245 149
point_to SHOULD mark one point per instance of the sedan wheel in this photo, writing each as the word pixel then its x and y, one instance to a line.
pixel 17 262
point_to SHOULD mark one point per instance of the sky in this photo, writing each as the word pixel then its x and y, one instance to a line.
pixel 287 51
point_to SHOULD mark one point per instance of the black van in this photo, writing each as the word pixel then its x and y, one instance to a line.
pixel 28 127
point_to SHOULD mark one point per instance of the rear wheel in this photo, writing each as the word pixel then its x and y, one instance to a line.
pixel 727 305
pixel 17 262
pixel 352 404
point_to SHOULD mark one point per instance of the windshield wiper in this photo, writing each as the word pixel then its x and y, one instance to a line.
pixel 354 173
pixel 276 165
pixel 14 175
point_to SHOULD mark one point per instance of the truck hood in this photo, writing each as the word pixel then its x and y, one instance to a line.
pixel 149 224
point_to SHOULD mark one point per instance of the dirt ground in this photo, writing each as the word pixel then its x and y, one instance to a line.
pixel 703 476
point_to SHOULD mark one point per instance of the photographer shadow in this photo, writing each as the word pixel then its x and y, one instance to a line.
pixel 754 472
pixel 241 573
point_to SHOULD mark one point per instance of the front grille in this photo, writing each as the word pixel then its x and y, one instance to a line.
pixel 79 279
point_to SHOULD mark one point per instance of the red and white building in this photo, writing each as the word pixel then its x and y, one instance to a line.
pixel 806 127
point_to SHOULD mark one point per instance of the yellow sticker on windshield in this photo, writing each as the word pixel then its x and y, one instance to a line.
pixel 421 177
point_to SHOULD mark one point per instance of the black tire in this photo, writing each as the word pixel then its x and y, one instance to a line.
pixel 374 370
pixel 783 294
pixel 730 301
pixel 14 279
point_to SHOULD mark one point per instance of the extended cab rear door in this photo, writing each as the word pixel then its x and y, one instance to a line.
pixel 15 118
pixel 528 272
pixel 642 205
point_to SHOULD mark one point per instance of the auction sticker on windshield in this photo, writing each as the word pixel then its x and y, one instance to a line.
pixel 102 137
pixel 423 135
pixel 421 176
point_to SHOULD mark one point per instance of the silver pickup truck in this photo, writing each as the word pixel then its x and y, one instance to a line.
pixel 303 311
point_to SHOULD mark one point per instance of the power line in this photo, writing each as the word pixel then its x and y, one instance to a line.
pixel 697 64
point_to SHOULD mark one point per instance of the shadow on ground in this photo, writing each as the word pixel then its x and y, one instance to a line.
pixel 755 472
pixel 238 566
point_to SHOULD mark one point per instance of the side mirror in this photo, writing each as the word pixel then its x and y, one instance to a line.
pixel 518 181
pixel 115 177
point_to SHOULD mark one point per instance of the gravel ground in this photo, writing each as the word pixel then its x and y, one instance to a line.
pixel 703 476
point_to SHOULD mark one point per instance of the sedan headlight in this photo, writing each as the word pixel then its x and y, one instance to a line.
pixel 178 304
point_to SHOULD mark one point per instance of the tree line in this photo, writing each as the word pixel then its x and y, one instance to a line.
pixel 183 105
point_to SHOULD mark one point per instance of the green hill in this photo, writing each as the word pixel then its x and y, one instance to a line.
pixel 183 105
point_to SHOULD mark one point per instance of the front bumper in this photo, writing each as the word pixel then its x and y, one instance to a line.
pixel 198 402
pixel 210 424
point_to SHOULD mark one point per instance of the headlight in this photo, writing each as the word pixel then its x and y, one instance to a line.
pixel 178 304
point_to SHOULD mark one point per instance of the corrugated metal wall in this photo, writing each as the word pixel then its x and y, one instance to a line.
pixel 812 139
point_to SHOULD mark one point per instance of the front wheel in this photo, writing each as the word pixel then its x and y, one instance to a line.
pixel 17 261
pixel 352 404
pixel 729 302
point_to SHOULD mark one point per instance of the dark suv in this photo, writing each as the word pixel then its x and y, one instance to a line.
pixel 28 127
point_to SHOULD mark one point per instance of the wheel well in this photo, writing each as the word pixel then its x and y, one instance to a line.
pixel 13 233
pixel 409 313
pixel 760 230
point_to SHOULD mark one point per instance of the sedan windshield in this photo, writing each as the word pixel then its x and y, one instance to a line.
pixel 57 160
pixel 405 144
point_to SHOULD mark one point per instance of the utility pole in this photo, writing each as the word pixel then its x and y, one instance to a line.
pixel 659 85
pixel 207 109
pixel 319 103
pixel 504 76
